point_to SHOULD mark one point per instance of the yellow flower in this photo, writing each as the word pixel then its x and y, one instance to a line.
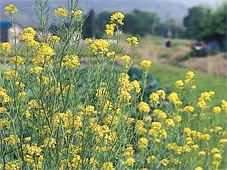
pixel 132 41
pixel 198 168
pixel 49 142
pixel 170 122
pixel 215 150
pixel 156 125
pixel 61 12
pixel 143 107
pixel 154 97
pixel 136 86
pixel 17 60
pixel 146 63
pixel 78 13
pixel 129 151
pixel 189 76
pixel 10 74
pixel 130 161
pixel 126 59
pixel 216 163
pixel 160 113
pixel 6 46
pixel 10 9
pixel 202 104
pixel 108 166
pixel 179 84
pixel 28 34
pixel 224 105
pixel 222 141
pixel 217 109
pixel 188 109
pixel 12 140
pixel 110 29
pixel 164 162
pixel 173 98
pixel 142 143
pixel 217 156
pixel 201 153
pixel 117 18
pixel 2 109
pixel 150 158
pixel 54 39
pixel 178 118
pixel 71 61
pixel 36 70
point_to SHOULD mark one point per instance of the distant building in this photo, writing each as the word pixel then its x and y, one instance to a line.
pixel 10 34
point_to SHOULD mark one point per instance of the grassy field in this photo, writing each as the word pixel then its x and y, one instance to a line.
pixel 167 75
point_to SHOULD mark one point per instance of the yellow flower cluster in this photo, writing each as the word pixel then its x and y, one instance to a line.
pixel 157 97
pixel 71 61
pixel 98 46
pixel 173 98
pixel 28 36
pixel 110 29
pixel 11 9
pixel 6 46
pixel 117 18
pixel 132 41
pixel 11 74
pixel 143 107
pixel 61 12
pixel 78 13
pixel 146 63
pixel 17 60
pixel 53 39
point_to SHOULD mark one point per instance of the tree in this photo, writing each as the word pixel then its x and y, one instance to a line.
pixel 192 22
pixel 141 22
pixel 213 27
pixel 89 25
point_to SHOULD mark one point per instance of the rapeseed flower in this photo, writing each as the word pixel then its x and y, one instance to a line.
pixel 173 98
pixel 53 39
pixel 143 107
pixel 126 59
pixel 150 159
pixel 179 84
pixel 6 46
pixel 129 151
pixel 201 153
pixel 198 168
pixel 164 162
pixel 110 29
pixel 132 41
pixel 71 61
pixel 130 161
pixel 17 60
pixel 78 13
pixel 142 143
pixel 217 109
pixel 61 12
pixel 117 18
pixel 10 9
pixel 11 74
pixel 189 76
pixel 108 166
pixel 146 64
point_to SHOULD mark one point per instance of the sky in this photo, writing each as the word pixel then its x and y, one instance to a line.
pixel 190 3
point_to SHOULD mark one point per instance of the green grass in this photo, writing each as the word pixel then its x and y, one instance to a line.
pixel 167 75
